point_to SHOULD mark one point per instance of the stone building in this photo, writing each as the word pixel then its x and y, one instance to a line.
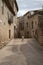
pixel 27 25
pixel 31 25
pixel 24 26
pixel 39 30
pixel 36 25
pixel 20 27
pixel 8 11
pixel 33 22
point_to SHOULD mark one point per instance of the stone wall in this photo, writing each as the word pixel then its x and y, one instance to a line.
pixel 37 30
pixel 33 24
pixel 5 28
pixel 40 29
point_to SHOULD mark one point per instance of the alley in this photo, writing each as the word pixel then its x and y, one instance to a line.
pixel 18 52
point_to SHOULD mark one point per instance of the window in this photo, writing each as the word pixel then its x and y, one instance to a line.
pixel 27 24
pixel 21 25
pixel 32 24
pixel 28 16
pixel 10 18
pixel 35 22
pixel 14 27
pixel 2 7
pixel 42 32
pixel 27 34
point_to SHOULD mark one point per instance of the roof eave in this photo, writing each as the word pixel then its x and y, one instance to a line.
pixel 16 5
pixel 9 6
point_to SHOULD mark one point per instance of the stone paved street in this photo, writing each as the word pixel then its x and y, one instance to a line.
pixel 18 52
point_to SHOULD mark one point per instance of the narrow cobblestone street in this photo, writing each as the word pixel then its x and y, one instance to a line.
pixel 18 52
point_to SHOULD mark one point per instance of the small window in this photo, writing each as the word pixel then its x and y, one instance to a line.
pixel 27 24
pixel 32 24
pixel 28 17
pixel 21 25
pixel 27 32
pixel 10 18
pixel 14 27
pixel 42 32
pixel 35 22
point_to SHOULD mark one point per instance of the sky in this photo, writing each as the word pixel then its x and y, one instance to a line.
pixel 28 5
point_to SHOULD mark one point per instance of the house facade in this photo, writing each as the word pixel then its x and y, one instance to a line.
pixel 24 25
pixel 31 25
pixel 8 11
pixel 36 26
